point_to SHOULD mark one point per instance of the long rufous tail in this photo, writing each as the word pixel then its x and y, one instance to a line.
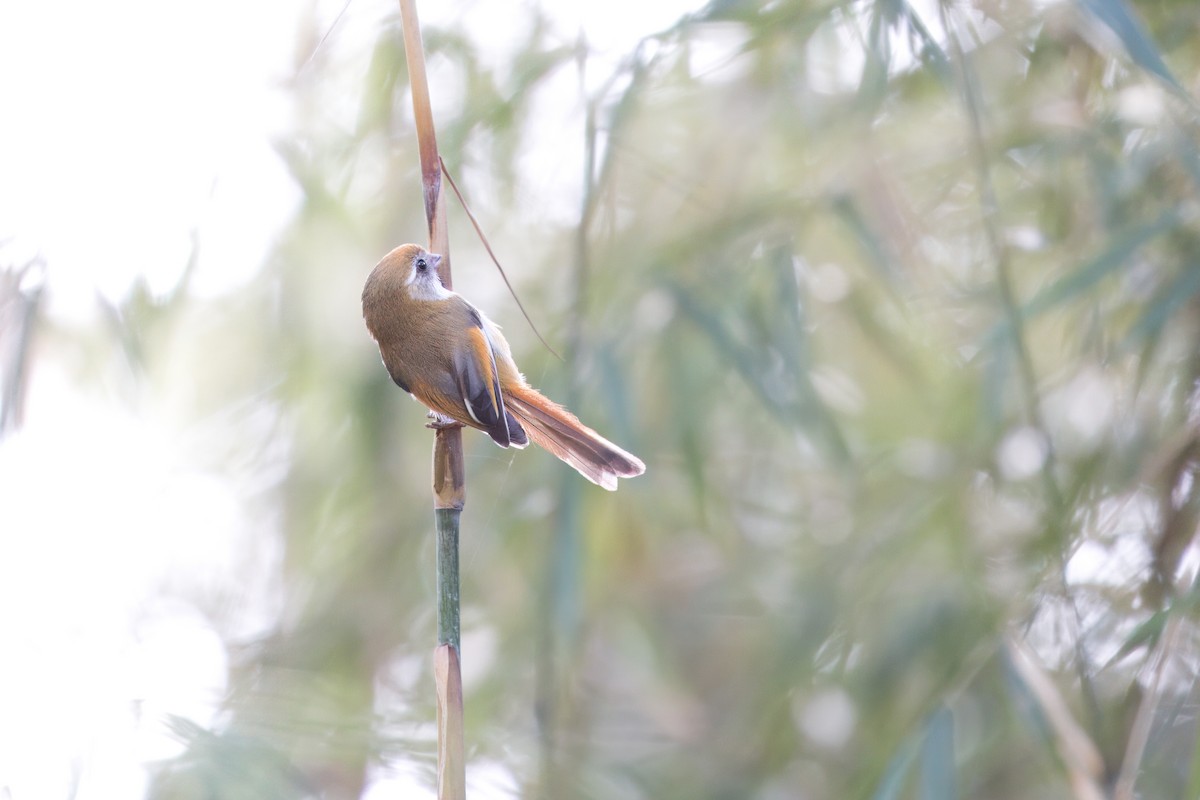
pixel 557 430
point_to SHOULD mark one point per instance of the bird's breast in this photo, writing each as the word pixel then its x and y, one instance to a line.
pixel 419 341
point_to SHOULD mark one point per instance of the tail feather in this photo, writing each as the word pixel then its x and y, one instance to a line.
pixel 558 431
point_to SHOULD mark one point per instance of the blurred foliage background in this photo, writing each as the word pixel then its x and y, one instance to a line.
pixel 900 305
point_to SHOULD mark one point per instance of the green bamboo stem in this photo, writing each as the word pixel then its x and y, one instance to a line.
pixel 449 627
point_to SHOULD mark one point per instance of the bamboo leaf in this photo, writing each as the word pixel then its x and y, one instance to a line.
pixel 1121 248
pixel 1150 630
pixel 930 51
pixel 1025 701
pixel 997 378
pixel 895 775
pixel 878 51
pixel 1147 633
pixel 872 245
pixel 937 757
pixel 1174 296
pixel 790 395
pixel 1120 19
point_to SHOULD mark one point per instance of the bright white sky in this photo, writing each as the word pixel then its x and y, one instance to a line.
pixel 130 127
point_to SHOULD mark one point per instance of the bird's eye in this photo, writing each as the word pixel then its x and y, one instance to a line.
pixel 421 265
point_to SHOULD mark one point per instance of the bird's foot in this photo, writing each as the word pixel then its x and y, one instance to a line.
pixel 441 422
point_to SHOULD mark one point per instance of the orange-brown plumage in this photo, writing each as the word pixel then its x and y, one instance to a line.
pixel 452 358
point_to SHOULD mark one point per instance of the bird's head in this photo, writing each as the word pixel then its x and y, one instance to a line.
pixel 412 269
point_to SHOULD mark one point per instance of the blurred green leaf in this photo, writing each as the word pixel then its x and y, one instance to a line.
pixel 1025 702
pixel 847 209
pixel 1174 296
pixel 790 395
pixel 1146 634
pixel 873 87
pixel 1120 19
pixel 895 775
pixel 930 50
pixel 937 757
pixel 1120 249
pixel 227 766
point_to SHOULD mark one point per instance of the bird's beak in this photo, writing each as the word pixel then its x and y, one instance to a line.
pixel 434 260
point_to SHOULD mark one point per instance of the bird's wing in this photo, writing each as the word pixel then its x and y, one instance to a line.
pixel 479 380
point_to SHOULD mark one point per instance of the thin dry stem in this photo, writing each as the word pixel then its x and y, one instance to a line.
pixel 488 246
pixel 1084 764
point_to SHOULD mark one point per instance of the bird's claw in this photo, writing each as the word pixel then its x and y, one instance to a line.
pixel 442 423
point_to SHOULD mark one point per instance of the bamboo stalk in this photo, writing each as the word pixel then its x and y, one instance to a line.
pixel 452 779
pixel 449 486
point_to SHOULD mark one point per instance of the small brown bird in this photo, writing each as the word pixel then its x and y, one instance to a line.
pixel 449 356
